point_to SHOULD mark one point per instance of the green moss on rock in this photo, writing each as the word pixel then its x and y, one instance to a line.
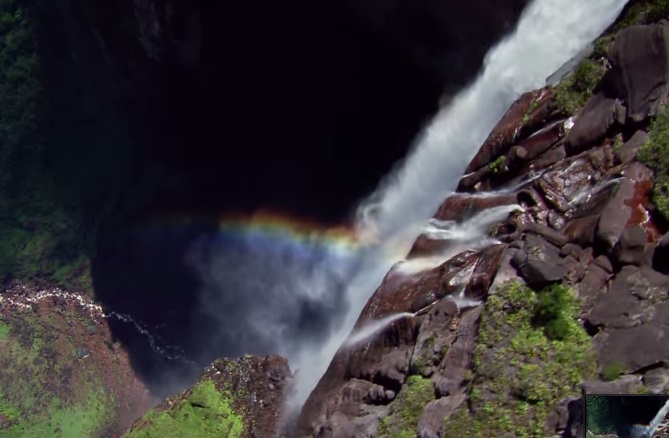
pixel 417 392
pixel 572 93
pixel 655 153
pixel 45 390
pixel 202 411
pixel 522 367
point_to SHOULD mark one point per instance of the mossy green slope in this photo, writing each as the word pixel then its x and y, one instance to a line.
pixel 531 353
pixel 417 392
pixel 202 411
pixel 45 390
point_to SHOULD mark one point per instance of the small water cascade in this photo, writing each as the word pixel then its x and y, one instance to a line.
pixel 374 327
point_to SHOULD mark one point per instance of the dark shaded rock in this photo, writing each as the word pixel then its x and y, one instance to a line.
pixel 616 214
pixel 571 249
pixel 539 263
pixel 575 427
pixel 657 380
pixel 593 123
pixel 661 255
pixel 640 56
pixel 434 337
pixel 582 230
pixel 631 247
pixel 82 352
pixel 603 262
pixel 451 375
pixel 624 385
pixel 627 152
pixel 555 237
pixel 632 299
pixel 637 347
pixel 431 421
pixel 549 158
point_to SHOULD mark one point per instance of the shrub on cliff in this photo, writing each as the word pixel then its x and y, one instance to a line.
pixel 525 362
pixel 205 412
pixel 575 90
pixel 655 154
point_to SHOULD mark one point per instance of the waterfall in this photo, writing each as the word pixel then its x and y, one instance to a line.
pixel 549 33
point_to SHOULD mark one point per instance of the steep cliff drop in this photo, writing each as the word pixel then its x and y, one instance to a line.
pixel 549 34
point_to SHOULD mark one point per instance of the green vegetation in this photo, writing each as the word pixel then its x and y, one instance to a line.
pixel 205 412
pixel 417 392
pixel 573 92
pixel 613 370
pixel 655 153
pixel 530 109
pixel 496 166
pixel 38 236
pixel 44 389
pixel 643 12
pixel 531 353
pixel 4 330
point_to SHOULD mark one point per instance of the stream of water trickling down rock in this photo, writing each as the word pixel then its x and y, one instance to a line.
pixel 549 34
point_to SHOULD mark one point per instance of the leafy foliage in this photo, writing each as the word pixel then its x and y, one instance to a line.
pixel 531 353
pixel 655 153
pixel 417 392
pixel 613 370
pixel 205 412
pixel 572 93
pixel 496 165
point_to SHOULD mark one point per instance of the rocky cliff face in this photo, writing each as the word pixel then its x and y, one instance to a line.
pixel 575 290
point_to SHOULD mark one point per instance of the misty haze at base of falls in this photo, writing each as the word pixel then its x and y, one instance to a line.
pixel 303 304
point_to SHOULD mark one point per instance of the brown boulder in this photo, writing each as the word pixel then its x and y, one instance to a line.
pixel 631 248
pixel 640 54
pixel 508 129
pixel 593 123
pixel 630 148
pixel 616 214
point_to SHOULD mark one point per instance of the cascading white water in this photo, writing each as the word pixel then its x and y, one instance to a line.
pixel 549 33
pixel 374 327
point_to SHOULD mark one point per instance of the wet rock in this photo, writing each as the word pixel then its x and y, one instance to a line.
pixel 550 157
pixel 508 129
pixel 434 337
pixel 582 230
pixel 627 152
pixel 616 214
pixel 431 421
pixel 556 221
pixel 541 141
pixel 640 55
pixel 555 237
pixel 593 123
pixel 657 380
pixel 631 248
pixel 624 385
pixel 484 273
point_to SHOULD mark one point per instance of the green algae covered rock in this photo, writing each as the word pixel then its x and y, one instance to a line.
pixel 233 398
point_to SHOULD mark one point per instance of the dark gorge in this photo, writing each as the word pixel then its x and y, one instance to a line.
pixel 157 119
